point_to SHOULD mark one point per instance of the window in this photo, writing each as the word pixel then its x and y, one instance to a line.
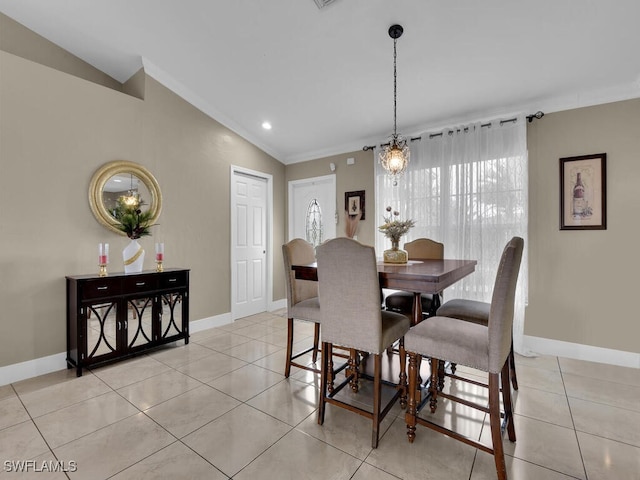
pixel 466 188
pixel 313 229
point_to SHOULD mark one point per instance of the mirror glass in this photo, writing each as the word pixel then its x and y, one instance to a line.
pixel 127 180
pixel 124 185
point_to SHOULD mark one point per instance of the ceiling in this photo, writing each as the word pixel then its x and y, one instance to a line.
pixel 324 77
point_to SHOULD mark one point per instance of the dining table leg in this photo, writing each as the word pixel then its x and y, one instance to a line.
pixel 417 308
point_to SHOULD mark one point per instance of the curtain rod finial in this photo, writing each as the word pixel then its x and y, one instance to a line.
pixel 537 115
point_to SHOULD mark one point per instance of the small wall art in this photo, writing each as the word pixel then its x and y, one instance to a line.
pixel 583 199
pixel 354 203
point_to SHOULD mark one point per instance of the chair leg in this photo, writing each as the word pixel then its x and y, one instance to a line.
pixel 352 370
pixel 287 368
pixel 324 373
pixel 316 339
pixel 512 367
pixel 330 376
pixel 433 384
pixel 441 374
pixel 414 396
pixel 494 420
pixel 377 396
pixel 403 374
pixel 506 401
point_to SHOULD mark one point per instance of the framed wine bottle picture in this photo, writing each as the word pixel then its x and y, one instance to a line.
pixel 583 188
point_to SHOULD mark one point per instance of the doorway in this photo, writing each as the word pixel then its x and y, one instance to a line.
pixel 312 209
pixel 251 241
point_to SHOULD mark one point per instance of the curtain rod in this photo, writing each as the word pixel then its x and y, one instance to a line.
pixel 530 118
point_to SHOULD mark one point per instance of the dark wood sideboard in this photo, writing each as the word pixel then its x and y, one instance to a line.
pixel 118 316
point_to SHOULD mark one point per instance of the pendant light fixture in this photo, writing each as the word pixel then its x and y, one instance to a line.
pixel 394 156
pixel 132 198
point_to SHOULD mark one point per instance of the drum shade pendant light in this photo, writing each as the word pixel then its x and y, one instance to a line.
pixel 394 156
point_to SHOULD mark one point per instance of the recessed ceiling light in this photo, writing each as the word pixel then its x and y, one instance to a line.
pixel 266 125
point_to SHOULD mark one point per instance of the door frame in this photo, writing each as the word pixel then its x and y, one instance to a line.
pixel 302 181
pixel 269 235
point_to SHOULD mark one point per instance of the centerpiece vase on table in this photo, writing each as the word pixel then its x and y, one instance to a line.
pixel 394 228
pixel 395 254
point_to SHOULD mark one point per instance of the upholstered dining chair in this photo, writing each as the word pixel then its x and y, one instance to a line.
pixel 476 312
pixel 302 301
pixel 402 302
pixel 352 317
pixel 482 347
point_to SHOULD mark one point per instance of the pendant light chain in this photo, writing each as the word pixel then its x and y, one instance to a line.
pixel 395 89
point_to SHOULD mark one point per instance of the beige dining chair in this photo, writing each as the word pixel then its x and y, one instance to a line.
pixel 302 302
pixel 476 312
pixel 352 317
pixel 402 302
pixel 481 347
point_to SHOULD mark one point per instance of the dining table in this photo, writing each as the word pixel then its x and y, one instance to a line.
pixel 417 276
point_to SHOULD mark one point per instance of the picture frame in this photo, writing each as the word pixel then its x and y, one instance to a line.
pixel 354 203
pixel 583 188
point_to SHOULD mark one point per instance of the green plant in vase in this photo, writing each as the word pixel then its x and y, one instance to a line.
pixel 135 223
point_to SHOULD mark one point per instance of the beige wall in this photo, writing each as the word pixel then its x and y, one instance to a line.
pixel 349 178
pixel 55 131
pixel 583 285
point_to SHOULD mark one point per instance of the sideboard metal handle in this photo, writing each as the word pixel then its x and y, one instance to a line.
pixel 102 288
pixel 173 279
pixel 140 284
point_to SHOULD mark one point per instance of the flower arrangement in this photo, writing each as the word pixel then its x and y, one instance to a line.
pixel 393 227
pixel 131 219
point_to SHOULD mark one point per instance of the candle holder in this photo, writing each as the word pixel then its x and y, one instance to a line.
pixel 159 257
pixel 103 259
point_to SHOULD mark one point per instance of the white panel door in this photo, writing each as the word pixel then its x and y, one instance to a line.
pixel 301 194
pixel 249 270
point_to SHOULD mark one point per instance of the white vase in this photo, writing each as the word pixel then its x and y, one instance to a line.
pixel 133 256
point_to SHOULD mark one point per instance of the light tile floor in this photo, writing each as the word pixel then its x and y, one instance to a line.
pixel 220 408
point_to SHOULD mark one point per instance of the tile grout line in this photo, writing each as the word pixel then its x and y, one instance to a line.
pixel 575 431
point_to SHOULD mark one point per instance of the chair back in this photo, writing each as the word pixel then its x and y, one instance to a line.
pixel 349 293
pixel 424 248
pixel 503 304
pixel 298 252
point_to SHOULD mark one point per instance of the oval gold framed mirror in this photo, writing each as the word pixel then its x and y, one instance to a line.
pixel 122 178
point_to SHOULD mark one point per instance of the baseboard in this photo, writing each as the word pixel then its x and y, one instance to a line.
pixel 52 363
pixel 277 305
pixel 209 322
pixel 547 346
pixel 32 368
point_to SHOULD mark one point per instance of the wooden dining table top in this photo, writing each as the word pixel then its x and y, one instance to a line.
pixel 417 276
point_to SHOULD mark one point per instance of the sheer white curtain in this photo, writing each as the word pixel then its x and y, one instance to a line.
pixel 466 188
